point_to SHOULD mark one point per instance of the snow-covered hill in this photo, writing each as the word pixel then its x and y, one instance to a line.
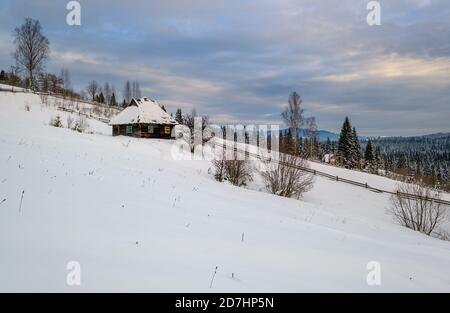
pixel 136 220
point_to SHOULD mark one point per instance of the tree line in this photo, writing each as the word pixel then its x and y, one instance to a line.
pixel 32 52
pixel 424 158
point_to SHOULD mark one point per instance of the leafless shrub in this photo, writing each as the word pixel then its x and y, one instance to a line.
pixel 219 169
pixel 419 212
pixel 218 164
pixel 97 110
pixel 443 235
pixel 238 172
pixel 286 179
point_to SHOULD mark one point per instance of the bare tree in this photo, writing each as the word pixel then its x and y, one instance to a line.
pixel 107 93
pixel 113 100
pixel 127 92
pixel 188 119
pixel 286 177
pixel 293 118
pixel 136 90
pixel 311 134
pixel 419 212
pixel 65 77
pixel 293 115
pixel 32 48
pixel 50 83
pixel 92 89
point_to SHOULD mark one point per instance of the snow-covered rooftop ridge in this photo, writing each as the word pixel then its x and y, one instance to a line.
pixel 143 111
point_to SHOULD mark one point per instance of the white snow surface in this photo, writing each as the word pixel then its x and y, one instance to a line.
pixel 146 111
pixel 136 220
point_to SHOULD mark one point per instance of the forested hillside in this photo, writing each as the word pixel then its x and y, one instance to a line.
pixel 425 158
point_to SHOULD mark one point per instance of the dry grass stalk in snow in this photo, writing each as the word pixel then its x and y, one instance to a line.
pixel 421 213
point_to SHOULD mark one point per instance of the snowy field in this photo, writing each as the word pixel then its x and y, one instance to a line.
pixel 136 220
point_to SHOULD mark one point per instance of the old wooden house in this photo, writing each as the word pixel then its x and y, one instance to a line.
pixel 143 118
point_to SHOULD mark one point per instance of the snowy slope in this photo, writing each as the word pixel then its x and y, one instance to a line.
pixel 375 181
pixel 136 220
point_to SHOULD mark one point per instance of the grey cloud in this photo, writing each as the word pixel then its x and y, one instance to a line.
pixel 240 59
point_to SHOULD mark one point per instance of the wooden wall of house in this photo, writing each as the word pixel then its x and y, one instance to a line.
pixel 141 131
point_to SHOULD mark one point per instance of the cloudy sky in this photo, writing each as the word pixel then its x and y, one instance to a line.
pixel 238 60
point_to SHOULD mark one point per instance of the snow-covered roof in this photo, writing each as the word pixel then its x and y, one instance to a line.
pixel 143 111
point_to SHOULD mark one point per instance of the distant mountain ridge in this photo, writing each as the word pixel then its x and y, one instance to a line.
pixel 430 136
pixel 323 135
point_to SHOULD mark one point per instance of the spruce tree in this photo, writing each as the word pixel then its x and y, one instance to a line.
pixel 378 158
pixel 369 154
pixel 327 146
pixel 2 76
pixel 101 98
pixel 113 100
pixel 369 157
pixel 355 153
pixel 349 154
pixel 344 144
pixel 179 116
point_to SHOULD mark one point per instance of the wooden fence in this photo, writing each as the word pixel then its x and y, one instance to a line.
pixel 14 89
pixel 98 118
pixel 344 180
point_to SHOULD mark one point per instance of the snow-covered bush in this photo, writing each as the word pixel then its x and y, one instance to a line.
pixel 286 178
pixel 56 121
pixel 81 124
pixel 70 121
pixel 417 212
pixel 27 107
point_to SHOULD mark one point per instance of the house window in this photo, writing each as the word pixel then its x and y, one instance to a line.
pixel 151 129
pixel 129 129
pixel 167 130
